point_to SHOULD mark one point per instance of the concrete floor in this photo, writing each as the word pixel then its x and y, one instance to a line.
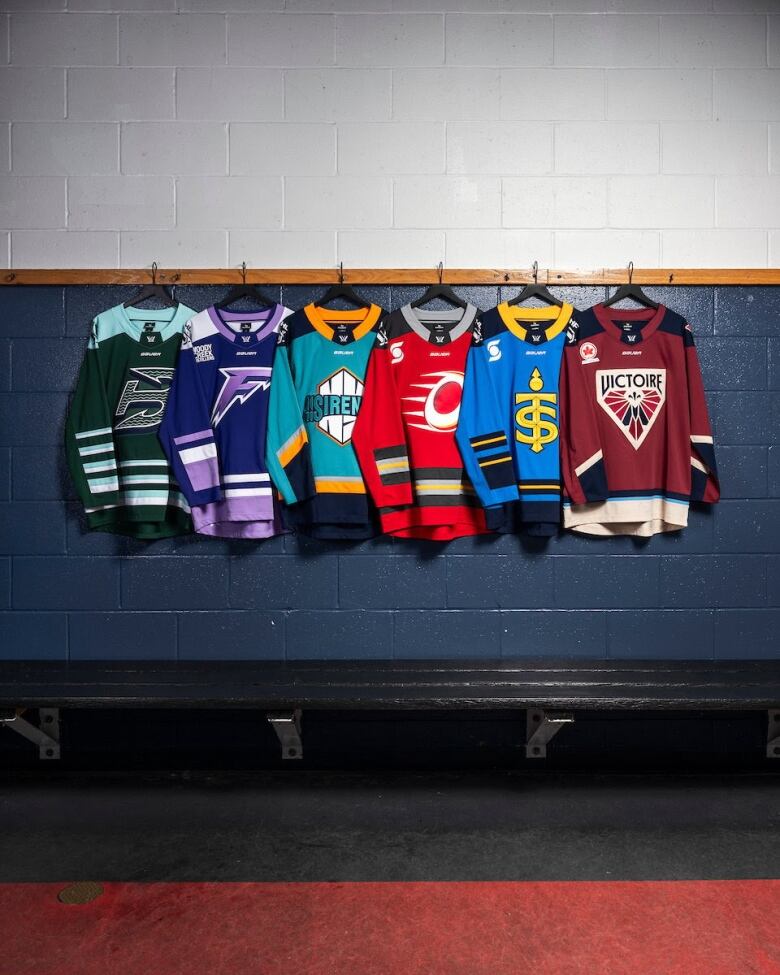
pixel 316 826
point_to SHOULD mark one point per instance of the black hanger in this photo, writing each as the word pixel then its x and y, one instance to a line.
pixel 153 290
pixel 344 291
pixel 245 290
pixel 631 291
pixel 536 290
pixel 443 291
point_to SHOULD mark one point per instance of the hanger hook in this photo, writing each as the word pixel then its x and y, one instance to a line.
pixel 536 272
pixel 630 271
pixel 243 272
pixel 341 272
pixel 154 272
pixel 440 269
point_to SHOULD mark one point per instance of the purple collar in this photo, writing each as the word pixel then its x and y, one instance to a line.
pixel 270 317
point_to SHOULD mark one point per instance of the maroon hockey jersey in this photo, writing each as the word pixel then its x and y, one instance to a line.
pixel 404 435
pixel 636 440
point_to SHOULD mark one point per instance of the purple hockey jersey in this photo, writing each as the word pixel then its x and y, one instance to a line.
pixel 214 428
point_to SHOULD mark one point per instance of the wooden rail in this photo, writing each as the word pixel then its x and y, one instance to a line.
pixel 384 276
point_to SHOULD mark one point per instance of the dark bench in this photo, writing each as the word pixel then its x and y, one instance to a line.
pixel 549 691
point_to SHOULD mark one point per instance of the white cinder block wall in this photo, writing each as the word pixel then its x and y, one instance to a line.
pixel 579 133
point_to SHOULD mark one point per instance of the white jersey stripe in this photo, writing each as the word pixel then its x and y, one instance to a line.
pixel 86 434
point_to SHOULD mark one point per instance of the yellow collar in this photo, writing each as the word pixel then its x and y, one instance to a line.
pixel 365 319
pixel 513 315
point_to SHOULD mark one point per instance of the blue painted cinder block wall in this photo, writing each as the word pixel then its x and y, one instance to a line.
pixel 712 591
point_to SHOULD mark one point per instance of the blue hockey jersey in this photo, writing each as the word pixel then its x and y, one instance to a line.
pixel 215 423
pixel 509 415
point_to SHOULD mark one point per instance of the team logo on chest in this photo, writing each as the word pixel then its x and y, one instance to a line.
pixel 334 407
pixel 632 398
pixel 239 384
pixel 536 415
pixel 142 403
pixel 437 410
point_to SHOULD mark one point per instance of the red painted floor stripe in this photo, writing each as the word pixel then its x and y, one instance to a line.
pixel 652 928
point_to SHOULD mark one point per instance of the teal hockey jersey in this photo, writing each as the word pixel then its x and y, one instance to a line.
pixel 316 392
pixel 508 429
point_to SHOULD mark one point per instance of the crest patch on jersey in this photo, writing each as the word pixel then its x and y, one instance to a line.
pixel 334 407
pixel 142 403
pixel 239 384
pixel 438 409
pixel 536 416
pixel 632 398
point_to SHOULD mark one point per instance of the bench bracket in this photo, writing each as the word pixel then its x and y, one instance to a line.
pixel 287 725
pixel 541 727
pixel 773 735
pixel 46 734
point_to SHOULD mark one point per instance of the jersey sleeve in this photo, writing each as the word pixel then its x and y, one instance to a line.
pixel 582 459
pixel 704 471
pixel 89 436
pixel 288 454
pixel 186 433
pixel 483 436
pixel 379 437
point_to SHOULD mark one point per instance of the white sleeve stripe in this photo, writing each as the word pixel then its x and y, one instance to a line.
pixel 99 465
pixel 595 458
pixel 100 448
pixel 86 434
pixel 698 439
pixel 193 454
pixel 698 465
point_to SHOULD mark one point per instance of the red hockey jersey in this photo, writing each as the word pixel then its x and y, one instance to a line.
pixel 636 440
pixel 404 435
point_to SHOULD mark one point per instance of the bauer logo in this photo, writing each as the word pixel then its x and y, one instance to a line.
pixel 334 407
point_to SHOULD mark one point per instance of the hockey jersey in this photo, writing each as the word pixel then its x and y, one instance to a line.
pixel 215 422
pixel 405 434
pixel 316 393
pixel 638 446
pixel 508 431
pixel 118 466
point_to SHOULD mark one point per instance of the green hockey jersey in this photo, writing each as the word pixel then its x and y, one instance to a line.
pixel 119 468
pixel 316 392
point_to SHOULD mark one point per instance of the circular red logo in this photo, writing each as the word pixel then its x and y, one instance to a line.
pixel 588 351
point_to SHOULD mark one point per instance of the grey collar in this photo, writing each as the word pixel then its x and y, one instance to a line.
pixel 463 316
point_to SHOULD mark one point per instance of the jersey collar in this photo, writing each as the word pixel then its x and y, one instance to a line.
pixel 606 318
pixel 270 317
pixel 415 319
pixel 171 321
pixel 513 317
pixel 365 319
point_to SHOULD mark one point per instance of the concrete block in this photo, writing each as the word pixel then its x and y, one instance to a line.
pixel 390 148
pixel 325 203
pixel 554 201
pixel 235 93
pixel 389 39
pixel 241 202
pixel 283 149
pixel 195 39
pixel 120 94
pixel 278 39
pixel 452 93
pixel 175 148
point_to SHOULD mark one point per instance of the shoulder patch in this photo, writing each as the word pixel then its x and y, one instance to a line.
pixel 381 336
pixel 281 332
